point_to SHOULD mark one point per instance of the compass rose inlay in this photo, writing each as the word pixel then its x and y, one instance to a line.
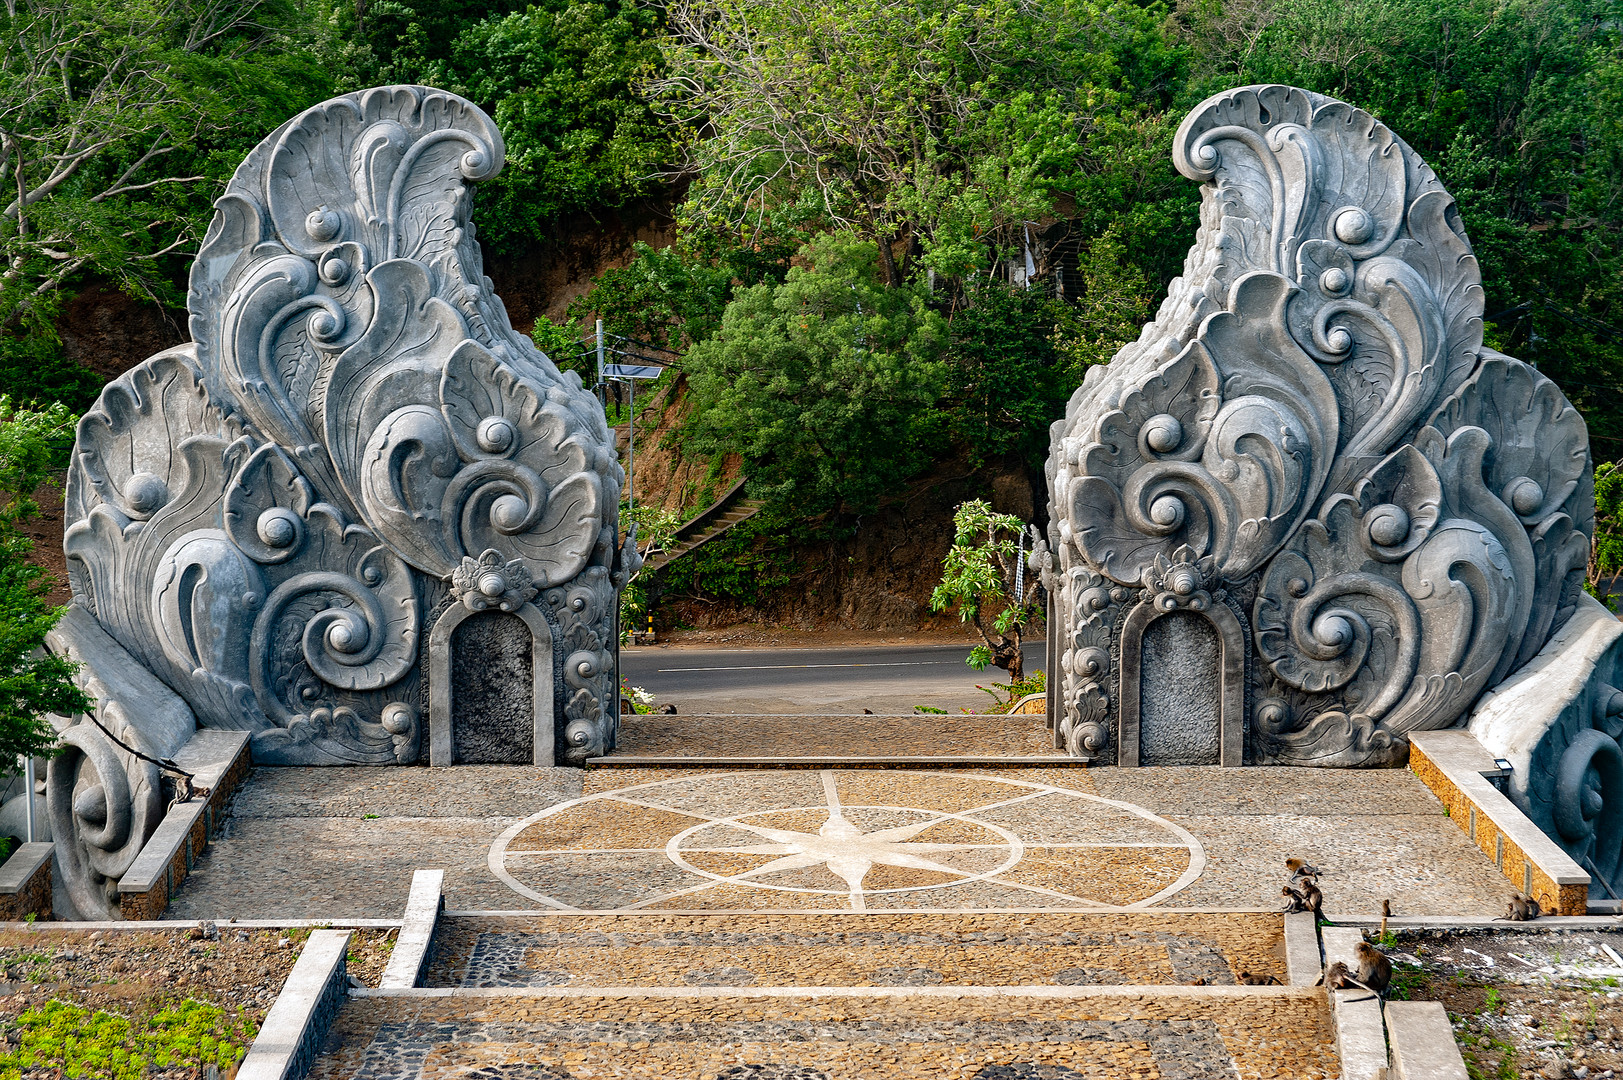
pixel 940 840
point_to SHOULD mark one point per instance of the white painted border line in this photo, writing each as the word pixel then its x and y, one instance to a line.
pixel 158 926
pixel 1465 922
pixel 664 761
pixel 298 1020
pixel 524 913
pixel 422 916
pixel 758 992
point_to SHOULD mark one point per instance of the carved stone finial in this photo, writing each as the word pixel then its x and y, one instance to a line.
pixel 490 581
pixel 1313 424
pixel 259 517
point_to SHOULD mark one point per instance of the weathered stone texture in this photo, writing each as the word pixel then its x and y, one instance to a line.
pixel 1313 432
pixel 1180 683
pixel 492 711
pixel 262 518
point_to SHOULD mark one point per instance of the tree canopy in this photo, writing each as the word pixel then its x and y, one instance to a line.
pixel 1006 165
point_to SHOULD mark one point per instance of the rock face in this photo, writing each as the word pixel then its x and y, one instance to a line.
pixel 1311 451
pixel 356 446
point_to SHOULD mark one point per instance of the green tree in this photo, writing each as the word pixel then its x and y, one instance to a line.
pixel 32 682
pixel 936 129
pixel 119 122
pixel 654 526
pixel 557 77
pixel 1515 104
pixel 826 384
pixel 979 578
pixel 1606 546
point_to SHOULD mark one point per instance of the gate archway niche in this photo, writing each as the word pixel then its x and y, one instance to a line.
pixel 490 685
pixel 1182 690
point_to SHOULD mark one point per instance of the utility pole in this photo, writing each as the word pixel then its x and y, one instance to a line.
pixel 602 388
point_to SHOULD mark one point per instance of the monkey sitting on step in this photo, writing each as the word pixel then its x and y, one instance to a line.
pixel 1522 909
pixel 1374 971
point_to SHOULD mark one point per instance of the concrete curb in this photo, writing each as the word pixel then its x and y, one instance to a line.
pixel 1360 1034
pixel 1302 963
pixel 628 761
pixel 417 928
pixel 1547 923
pixel 220 760
pixel 1102 912
pixel 1452 764
pixel 1423 1046
pixel 291 1035
pixel 25 882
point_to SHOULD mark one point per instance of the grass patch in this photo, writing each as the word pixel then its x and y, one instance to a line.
pixel 76 1042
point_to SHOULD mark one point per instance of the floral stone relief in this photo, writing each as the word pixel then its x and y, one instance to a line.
pixel 1313 430
pixel 266 518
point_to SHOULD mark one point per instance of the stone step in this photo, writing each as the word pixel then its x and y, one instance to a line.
pixel 835 1033
pixel 850 949
pixel 734 739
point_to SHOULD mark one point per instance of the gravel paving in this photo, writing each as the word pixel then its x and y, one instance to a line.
pixel 342 843
pixel 1057 949
pixel 963 1037
pixel 849 736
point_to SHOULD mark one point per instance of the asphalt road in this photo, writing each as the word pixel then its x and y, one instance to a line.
pixel 884 678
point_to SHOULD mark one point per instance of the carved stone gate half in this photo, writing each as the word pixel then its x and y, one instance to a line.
pixel 478 713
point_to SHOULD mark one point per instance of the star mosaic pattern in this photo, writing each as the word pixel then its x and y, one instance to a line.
pixel 854 840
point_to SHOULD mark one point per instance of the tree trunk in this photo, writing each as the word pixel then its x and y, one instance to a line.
pixel 887 263
pixel 1006 655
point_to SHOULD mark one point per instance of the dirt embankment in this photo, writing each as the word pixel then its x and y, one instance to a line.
pixel 873 575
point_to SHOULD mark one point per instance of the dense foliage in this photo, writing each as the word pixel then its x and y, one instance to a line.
pixel 32 682
pixel 904 227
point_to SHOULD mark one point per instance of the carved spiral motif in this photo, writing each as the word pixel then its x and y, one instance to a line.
pixel 1335 281
pixel 100 819
pixel 144 493
pixel 399 718
pixel 1167 513
pixel 335 271
pixel 323 224
pixel 280 528
pixel 1387 525
pixel 1589 798
pixel 1091 662
pixel 496 434
pixel 1524 495
pixel 1162 433
pixel 350 644
pixel 1353 225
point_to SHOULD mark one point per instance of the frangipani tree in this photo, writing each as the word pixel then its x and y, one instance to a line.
pixel 981 578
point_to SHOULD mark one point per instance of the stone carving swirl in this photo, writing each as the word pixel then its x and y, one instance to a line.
pixel 1313 410
pixel 263 517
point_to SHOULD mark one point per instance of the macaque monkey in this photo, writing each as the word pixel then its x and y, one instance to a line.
pixel 1299 869
pixel 1374 969
pixel 1522 909
pixel 1248 979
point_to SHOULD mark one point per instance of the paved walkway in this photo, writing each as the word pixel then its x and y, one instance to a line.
pixel 1110 1034
pixel 342 842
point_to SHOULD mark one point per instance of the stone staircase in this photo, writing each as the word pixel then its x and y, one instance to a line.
pixel 730 510
pixel 988 996
pixel 733 740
